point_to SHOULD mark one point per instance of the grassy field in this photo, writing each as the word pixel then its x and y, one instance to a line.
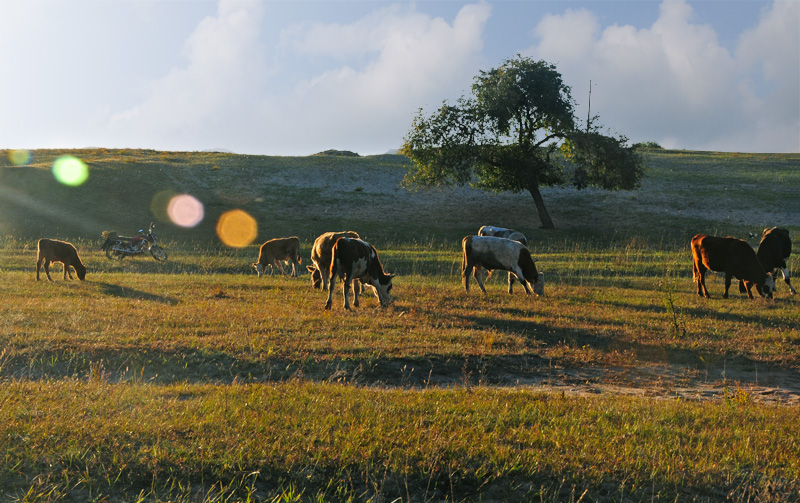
pixel 195 380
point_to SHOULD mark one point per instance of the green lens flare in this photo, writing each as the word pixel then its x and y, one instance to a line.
pixel 70 170
pixel 20 157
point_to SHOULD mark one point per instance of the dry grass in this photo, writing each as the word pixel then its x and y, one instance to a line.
pixel 195 380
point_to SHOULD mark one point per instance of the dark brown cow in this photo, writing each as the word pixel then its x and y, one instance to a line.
pixel 276 250
pixel 773 252
pixel 321 257
pixel 353 259
pixel 732 256
pixel 53 250
pixel 494 253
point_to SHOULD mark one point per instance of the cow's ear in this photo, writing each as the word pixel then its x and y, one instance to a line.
pixel 392 276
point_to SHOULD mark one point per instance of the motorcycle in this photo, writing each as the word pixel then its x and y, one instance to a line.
pixel 118 247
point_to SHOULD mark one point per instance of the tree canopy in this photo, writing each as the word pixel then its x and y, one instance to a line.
pixel 505 136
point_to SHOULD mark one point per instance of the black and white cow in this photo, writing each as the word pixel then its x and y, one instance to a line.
pixel 354 259
pixel 773 252
pixel 501 232
pixel 495 253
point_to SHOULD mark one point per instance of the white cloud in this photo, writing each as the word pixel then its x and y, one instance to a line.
pixel 382 68
pixel 368 78
pixel 772 51
pixel 674 82
pixel 225 64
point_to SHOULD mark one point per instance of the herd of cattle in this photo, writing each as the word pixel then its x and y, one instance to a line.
pixel 347 256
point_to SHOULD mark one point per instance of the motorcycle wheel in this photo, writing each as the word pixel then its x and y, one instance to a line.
pixel 158 253
pixel 114 255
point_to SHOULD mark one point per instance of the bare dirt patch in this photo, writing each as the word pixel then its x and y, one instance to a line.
pixel 729 381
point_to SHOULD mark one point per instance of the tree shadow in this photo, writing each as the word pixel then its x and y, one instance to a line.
pixel 131 293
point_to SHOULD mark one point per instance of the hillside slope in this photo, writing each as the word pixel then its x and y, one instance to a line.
pixel 681 194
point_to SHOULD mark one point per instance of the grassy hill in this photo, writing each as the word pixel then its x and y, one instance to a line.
pixel 681 194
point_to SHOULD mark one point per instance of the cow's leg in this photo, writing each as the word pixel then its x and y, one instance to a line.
pixel 521 278
pixel 703 284
pixel 466 272
pixel 277 263
pixel 728 285
pixel 295 267
pixel 356 290
pixel 787 279
pixel 511 283
pixel 699 271
pixel 331 286
pixel 324 276
pixel 346 291
pixel 38 267
pixel 47 269
pixel 479 281
pixel 67 270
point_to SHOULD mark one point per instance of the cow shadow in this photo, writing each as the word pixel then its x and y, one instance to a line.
pixel 131 293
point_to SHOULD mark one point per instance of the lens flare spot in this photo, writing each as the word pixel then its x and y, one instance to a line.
pixel 159 203
pixel 236 228
pixel 20 157
pixel 70 170
pixel 185 210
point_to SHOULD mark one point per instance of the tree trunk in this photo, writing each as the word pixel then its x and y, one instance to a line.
pixel 544 216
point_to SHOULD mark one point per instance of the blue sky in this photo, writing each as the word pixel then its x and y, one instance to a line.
pixel 298 77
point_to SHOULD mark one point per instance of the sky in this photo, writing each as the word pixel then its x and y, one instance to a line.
pixel 299 77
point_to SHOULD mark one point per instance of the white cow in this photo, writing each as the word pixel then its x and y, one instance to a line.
pixel 494 253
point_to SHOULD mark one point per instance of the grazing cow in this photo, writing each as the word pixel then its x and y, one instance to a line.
pixel 500 232
pixel 773 252
pixel 732 256
pixel 504 254
pixel 321 257
pixel 276 250
pixel 355 259
pixel 53 250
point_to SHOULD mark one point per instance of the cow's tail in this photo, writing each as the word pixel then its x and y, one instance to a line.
pixel 466 247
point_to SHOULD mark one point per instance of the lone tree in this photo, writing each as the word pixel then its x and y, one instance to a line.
pixel 503 136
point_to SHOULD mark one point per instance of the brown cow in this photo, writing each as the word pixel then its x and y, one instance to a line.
pixel 53 250
pixel 732 256
pixel 276 250
pixel 353 259
pixel 321 257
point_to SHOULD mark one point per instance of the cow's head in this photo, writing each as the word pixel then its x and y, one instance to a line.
pixel 768 288
pixel 383 291
pixel 80 270
pixel 538 286
pixel 259 268
pixel 316 277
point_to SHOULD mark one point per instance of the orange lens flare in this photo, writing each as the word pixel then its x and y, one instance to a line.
pixel 236 228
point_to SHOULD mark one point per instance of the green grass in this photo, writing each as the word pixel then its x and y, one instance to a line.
pixel 195 380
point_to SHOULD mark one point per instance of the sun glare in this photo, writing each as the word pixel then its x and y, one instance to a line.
pixel 236 228
pixel 70 170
